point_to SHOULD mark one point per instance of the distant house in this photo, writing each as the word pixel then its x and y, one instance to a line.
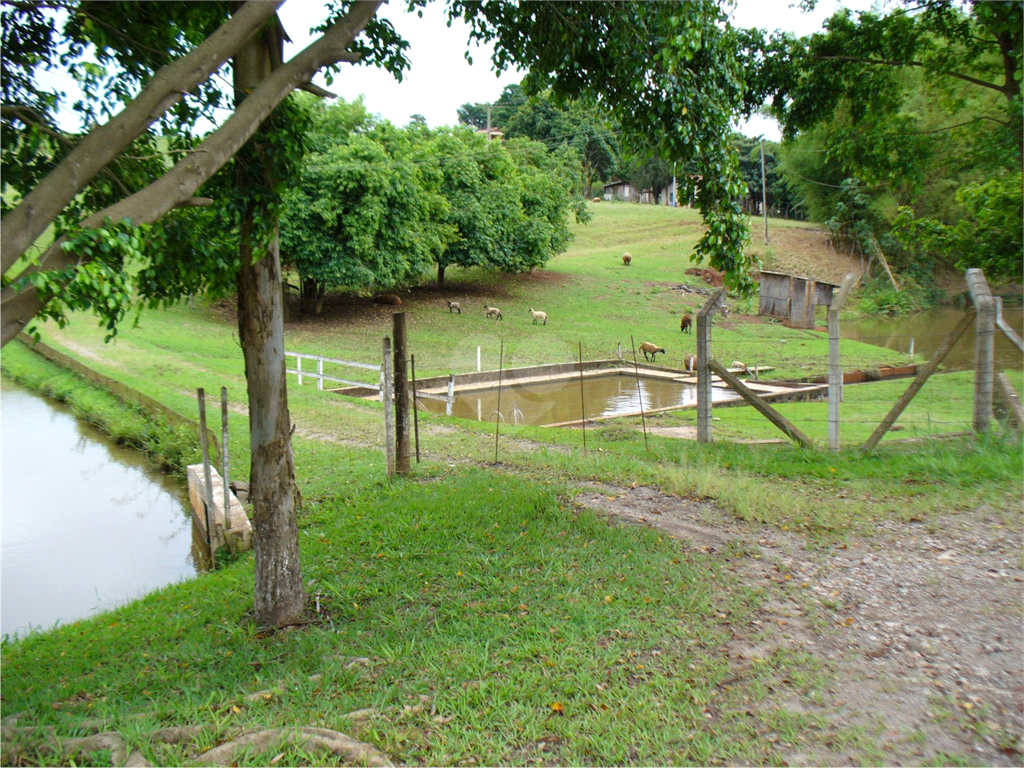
pixel 619 190
pixel 495 133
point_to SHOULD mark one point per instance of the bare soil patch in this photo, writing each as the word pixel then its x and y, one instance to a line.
pixel 920 627
pixel 803 251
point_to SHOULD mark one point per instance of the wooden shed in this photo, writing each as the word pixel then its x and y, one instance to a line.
pixel 792 298
pixel 619 190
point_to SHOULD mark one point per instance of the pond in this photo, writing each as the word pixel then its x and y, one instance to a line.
pixel 87 525
pixel 928 330
pixel 557 402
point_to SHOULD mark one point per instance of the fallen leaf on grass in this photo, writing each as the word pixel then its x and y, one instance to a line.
pixel 443 720
pixel 557 708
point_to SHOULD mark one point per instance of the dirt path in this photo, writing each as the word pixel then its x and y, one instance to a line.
pixel 920 627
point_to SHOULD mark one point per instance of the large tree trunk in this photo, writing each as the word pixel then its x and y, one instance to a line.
pixel 308 289
pixel 440 275
pixel 280 596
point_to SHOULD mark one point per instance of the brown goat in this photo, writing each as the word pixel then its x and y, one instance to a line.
pixel 627 258
pixel 690 363
pixel 686 326
pixel 651 349
pixel 388 298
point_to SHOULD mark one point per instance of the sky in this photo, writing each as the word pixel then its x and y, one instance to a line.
pixel 440 79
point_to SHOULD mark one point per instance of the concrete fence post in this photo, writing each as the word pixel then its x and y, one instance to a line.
pixel 704 318
pixel 835 368
pixel 984 347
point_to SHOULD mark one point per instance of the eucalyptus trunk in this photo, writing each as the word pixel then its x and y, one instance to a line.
pixel 279 597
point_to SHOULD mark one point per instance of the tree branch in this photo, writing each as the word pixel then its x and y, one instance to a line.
pixel 28 116
pixel 44 203
pixel 883 62
pixel 19 306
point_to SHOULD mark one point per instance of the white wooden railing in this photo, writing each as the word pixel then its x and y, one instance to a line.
pixel 321 377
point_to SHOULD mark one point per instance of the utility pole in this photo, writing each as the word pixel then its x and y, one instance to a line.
pixel 764 195
pixel 488 122
pixel 675 189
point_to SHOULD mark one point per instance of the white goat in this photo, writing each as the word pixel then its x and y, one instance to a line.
pixel 492 312
pixel 538 316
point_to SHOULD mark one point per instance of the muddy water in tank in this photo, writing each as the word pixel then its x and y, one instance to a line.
pixel 554 402
pixel 87 525
pixel 928 330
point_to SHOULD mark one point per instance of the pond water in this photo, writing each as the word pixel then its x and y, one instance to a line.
pixel 555 402
pixel 87 525
pixel 928 330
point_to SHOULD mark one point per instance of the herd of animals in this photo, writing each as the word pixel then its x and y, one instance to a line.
pixel 650 351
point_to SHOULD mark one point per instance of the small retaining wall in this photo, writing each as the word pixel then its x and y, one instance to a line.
pixel 232 530
pixel 122 391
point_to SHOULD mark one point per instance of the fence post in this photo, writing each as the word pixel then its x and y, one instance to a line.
pixel 704 317
pixel 320 372
pixel 401 351
pixel 835 369
pixel 224 455
pixel 984 347
pixel 389 416
pixel 449 405
pixel 207 478
pixel 298 367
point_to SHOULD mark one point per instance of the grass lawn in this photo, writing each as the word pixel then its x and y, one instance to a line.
pixel 475 608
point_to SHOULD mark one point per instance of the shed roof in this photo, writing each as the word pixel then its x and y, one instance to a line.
pixel 787 275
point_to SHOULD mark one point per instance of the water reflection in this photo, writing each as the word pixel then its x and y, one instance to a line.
pixel 555 402
pixel 928 330
pixel 87 525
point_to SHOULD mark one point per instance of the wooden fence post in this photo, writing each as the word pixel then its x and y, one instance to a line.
pixel 224 455
pixel 389 415
pixel 835 369
pixel 207 477
pixel 450 402
pixel 984 347
pixel 704 317
pixel 1006 328
pixel 402 442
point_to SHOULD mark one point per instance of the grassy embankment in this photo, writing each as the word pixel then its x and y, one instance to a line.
pixel 485 589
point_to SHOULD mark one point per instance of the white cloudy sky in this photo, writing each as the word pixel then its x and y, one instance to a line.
pixel 440 79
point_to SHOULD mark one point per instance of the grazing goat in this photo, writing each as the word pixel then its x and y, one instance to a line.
pixel 538 316
pixel 739 364
pixel 492 312
pixel 626 258
pixel 388 298
pixel 651 349
pixel 454 306
pixel 686 326
pixel 690 363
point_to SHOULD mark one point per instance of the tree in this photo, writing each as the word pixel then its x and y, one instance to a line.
pixel 367 213
pixel 262 81
pixel 576 124
pixel 915 104
pixel 507 202
pixel 668 70
pixel 475 115
pixel 669 67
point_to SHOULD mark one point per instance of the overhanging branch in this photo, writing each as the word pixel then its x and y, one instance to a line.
pixel 42 205
pixel 179 184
